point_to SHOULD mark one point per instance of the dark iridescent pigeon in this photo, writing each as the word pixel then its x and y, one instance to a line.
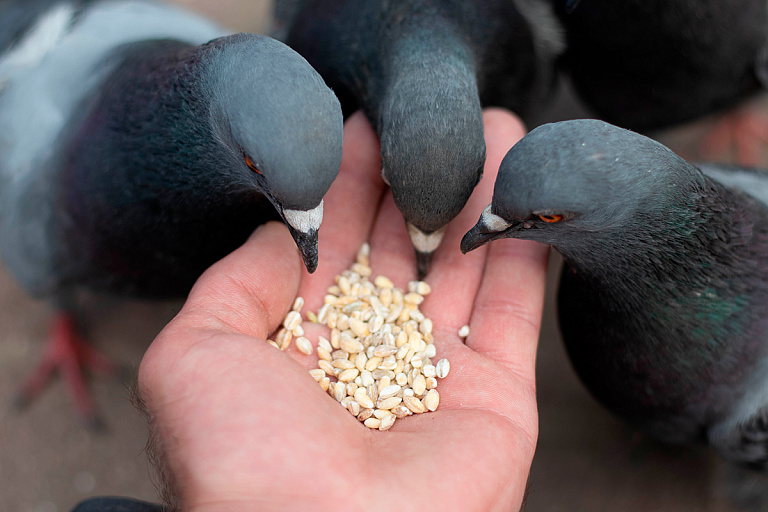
pixel 652 64
pixel 421 71
pixel 663 300
pixel 134 153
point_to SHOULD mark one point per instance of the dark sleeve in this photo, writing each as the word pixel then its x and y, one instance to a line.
pixel 116 505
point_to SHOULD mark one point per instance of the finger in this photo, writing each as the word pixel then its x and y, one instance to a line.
pixel 350 207
pixel 455 278
pixel 392 252
pixel 250 290
pixel 507 317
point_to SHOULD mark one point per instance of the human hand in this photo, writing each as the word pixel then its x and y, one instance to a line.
pixel 243 426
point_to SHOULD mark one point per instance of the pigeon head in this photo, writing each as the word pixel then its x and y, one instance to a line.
pixel 281 125
pixel 568 184
pixel 432 150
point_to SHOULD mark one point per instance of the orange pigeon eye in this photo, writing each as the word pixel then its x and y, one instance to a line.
pixel 551 218
pixel 251 165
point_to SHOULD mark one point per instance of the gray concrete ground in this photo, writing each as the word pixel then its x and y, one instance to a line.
pixel 586 459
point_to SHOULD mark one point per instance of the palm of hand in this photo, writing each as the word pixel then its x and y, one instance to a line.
pixel 243 426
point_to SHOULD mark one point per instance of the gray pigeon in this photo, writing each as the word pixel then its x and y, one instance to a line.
pixel 663 300
pixel 421 72
pixel 139 144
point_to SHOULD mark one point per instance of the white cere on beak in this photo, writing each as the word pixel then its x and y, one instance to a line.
pixel 305 220
pixel 492 221
pixel 425 242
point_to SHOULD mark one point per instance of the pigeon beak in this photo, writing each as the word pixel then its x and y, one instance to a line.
pixel 304 226
pixel 425 244
pixel 490 227
pixel 423 262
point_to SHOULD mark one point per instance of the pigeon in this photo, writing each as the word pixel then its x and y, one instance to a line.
pixel 650 65
pixel 663 298
pixel 421 72
pixel 653 65
pixel 140 143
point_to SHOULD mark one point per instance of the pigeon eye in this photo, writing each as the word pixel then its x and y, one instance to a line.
pixel 251 165
pixel 551 218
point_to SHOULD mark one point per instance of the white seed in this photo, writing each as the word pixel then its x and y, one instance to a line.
pixel 381 413
pixel 339 391
pixel 385 297
pixel 360 360
pixel 363 253
pixel 363 270
pixel 372 422
pixel 443 367
pixel 383 382
pixel 379 374
pixel 383 282
pixel 416 341
pixel 394 313
pixel 401 339
pixel 363 399
pixel 273 344
pixel 387 422
pixel 344 285
pixel 414 404
pixel 385 350
pixel 373 363
pixel 425 327
pixel 429 370
pixel 342 364
pixel 373 392
pixel 365 414
pixel 326 367
pixel 348 375
pixel 325 383
pixel 339 354
pixel 388 363
pixel 432 400
pixel 401 411
pixel 420 287
pixel 376 323
pixel 335 338
pixel 413 298
pixel 431 382
pixel 417 315
pixel 431 350
pixel 354 408
pixel 419 385
pixel 464 331
pixel 304 345
pixel 322 314
pixel 389 403
pixel 342 322
pixel 298 304
pixel 292 320
pixel 298 331
pixel 366 378
pixel 358 327
pixel 389 391
pixel 351 346
pixel 401 379
pixel 283 338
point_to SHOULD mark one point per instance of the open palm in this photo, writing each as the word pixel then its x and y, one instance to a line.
pixel 243 426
